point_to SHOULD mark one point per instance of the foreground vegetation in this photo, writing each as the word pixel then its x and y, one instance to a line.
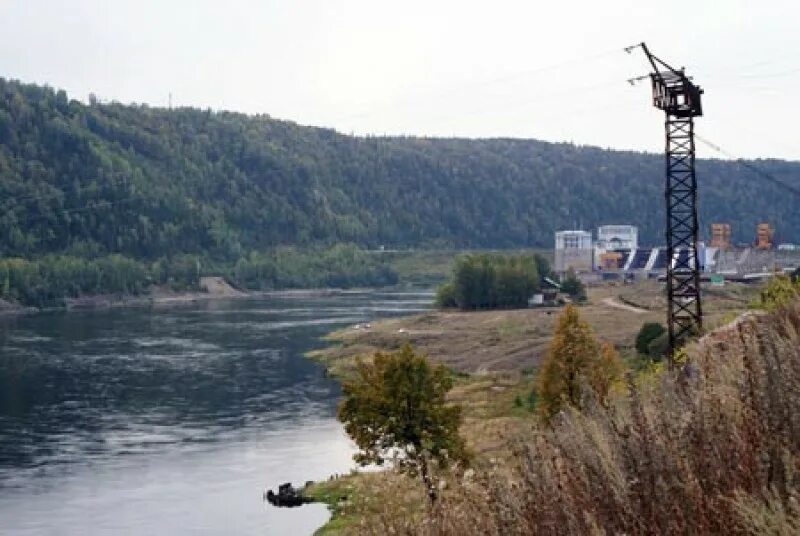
pixel 394 409
pixel 710 447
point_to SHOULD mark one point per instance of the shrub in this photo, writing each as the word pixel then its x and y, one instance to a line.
pixel 649 332
pixel 778 292
pixel 658 347
pixel 446 296
pixel 573 286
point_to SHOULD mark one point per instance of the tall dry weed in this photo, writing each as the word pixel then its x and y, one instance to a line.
pixel 712 448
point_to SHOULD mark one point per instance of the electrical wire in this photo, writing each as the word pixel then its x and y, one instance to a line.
pixel 750 166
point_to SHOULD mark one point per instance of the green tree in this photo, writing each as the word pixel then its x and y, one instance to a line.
pixel 446 296
pixel 573 286
pixel 485 281
pixel 648 332
pixel 574 362
pixel 659 346
pixel 395 408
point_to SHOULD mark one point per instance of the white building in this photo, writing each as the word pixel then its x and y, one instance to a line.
pixel 573 250
pixel 613 237
pixel 573 240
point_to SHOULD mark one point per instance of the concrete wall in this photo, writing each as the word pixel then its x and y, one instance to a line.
pixel 580 260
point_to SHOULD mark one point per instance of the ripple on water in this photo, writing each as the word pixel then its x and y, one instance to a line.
pixel 132 404
pixel 29 338
pixel 258 327
pixel 193 344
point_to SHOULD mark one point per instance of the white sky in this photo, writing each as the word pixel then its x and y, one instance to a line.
pixel 437 68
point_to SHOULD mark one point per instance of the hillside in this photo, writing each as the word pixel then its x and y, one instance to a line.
pixel 89 180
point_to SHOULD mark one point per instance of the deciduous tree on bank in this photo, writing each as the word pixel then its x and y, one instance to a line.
pixel 574 362
pixel 395 409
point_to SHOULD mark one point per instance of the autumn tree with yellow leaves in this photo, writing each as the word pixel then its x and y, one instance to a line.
pixel 576 361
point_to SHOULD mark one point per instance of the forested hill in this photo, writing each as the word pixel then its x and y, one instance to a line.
pixel 88 180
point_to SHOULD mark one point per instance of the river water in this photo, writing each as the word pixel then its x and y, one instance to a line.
pixel 173 421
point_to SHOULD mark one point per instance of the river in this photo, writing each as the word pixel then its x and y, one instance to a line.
pixel 173 421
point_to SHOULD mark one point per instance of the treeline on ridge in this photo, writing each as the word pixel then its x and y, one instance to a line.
pixel 93 180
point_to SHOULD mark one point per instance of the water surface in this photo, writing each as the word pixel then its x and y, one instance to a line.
pixel 172 421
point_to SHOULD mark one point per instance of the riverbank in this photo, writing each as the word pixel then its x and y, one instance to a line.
pixel 212 288
pixel 8 308
pixel 494 356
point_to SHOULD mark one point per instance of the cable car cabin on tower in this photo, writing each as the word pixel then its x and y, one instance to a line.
pixel 674 93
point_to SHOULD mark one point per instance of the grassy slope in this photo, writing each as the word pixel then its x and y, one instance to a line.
pixel 494 355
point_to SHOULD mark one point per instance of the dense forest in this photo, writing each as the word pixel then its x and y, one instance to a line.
pixel 90 181
pixel 147 182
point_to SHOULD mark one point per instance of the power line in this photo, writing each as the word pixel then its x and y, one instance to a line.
pixel 751 167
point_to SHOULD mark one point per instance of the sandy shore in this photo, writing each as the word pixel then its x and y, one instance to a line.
pixel 212 288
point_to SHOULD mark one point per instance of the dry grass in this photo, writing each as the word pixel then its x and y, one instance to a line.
pixel 711 448
pixel 601 472
pixel 513 340
pixel 359 501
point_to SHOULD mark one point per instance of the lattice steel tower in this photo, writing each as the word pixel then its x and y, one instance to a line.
pixel 679 98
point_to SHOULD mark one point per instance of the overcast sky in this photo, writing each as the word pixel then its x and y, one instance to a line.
pixel 550 70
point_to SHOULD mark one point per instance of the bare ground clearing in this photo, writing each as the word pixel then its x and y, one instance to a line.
pixel 514 340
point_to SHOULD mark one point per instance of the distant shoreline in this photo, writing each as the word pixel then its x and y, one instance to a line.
pixel 217 289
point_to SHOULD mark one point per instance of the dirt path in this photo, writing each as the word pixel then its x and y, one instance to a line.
pixel 611 302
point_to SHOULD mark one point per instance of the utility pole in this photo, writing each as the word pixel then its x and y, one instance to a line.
pixel 679 98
